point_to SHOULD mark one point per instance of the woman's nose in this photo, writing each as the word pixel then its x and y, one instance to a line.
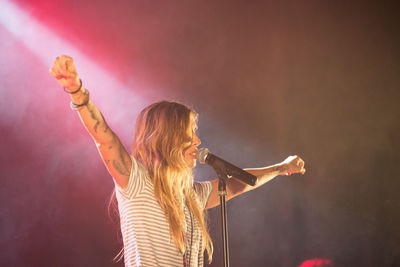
pixel 196 140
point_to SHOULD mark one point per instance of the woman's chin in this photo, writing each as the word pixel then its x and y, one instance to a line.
pixel 192 164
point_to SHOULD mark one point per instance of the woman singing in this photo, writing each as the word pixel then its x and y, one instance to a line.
pixel 160 205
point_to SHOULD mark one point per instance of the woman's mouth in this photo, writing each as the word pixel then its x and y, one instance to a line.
pixel 193 154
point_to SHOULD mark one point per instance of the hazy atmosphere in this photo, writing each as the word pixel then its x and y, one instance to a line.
pixel 269 79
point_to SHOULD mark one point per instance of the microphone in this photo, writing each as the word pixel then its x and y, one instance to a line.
pixel 204 156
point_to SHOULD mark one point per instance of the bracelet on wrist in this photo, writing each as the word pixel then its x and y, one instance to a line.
pixel 76 91
pixel 79 106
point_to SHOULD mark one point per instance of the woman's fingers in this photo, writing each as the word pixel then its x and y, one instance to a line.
pixel 64 71
pixel 300 165
pixel 63 67
pixel 70 66
pixel 56 69
pixel 53 71
pixel 295 165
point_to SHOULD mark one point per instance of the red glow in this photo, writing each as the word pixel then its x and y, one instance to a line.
pixel 317 263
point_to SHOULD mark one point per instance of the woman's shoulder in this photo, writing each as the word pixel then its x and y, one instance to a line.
pixel 202 190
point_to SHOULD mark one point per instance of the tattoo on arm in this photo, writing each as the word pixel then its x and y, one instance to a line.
pixel 121 165
pixel 106 128
pixel 93 116
pixel 95 126
pixel 121 155
pixel 121 169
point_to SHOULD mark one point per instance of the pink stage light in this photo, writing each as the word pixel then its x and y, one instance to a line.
pixel 46 45
pixel 317 263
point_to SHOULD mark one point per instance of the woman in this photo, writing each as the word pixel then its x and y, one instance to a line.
pixel 160 205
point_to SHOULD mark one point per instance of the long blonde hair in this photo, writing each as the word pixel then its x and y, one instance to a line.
pixel 160 141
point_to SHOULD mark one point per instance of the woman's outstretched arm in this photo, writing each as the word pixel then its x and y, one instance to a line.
pixel 114 155
pixel 234 187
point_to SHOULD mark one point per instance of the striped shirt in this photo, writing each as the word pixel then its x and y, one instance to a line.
pixel 145 228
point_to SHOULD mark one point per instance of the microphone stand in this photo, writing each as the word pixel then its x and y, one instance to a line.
pixel 223 177
pixel 225 171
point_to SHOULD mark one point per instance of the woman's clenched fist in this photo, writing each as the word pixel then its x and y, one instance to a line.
pixel 65 72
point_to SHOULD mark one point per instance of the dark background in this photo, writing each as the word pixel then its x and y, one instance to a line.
pixel 269 79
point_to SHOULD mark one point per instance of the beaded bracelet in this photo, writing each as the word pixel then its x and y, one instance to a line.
pixel 74 92
pixel 79 106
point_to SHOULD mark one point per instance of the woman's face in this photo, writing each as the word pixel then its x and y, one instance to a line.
pixel 191 150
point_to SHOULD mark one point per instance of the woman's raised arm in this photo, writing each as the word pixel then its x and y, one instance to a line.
pixel 113 153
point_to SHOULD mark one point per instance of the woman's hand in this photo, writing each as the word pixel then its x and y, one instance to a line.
pixel 65 72
pixel 293 164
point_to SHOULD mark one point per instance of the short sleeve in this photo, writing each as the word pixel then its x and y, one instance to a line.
pixel 203 191
pixel 136 181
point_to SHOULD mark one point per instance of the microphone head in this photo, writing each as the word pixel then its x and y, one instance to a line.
pixel 201 155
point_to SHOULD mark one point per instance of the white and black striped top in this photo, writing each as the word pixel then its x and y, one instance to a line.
pixel 145 229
